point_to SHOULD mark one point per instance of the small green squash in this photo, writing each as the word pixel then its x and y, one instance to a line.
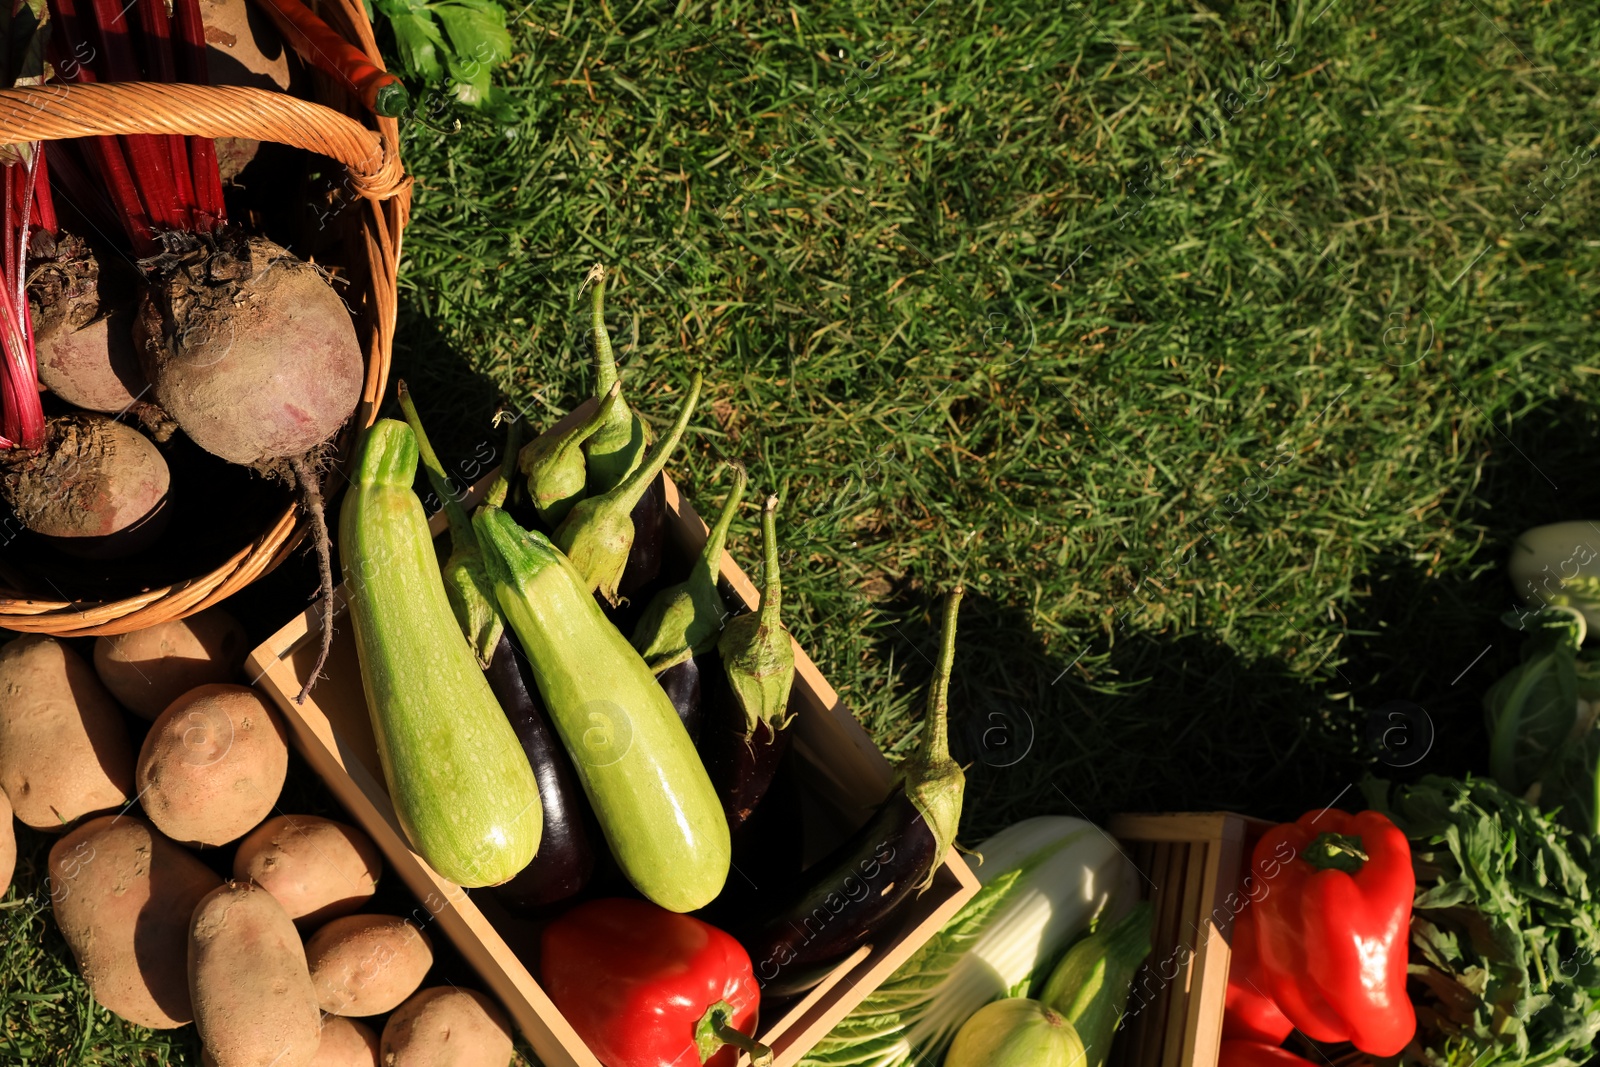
pixel 461 785
pixel 644 779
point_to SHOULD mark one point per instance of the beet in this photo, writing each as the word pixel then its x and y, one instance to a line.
pixel 82 328
pixel 247 348
pixel 98 489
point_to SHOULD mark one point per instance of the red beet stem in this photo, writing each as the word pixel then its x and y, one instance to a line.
pixel 106 152
pixel 21 414
pixel 147 155
pixel 44 205
pixel 155 32
pixel 209 209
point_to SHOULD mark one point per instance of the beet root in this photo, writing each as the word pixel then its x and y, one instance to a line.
pixel 247 348
pixel 98 489
pixel 83 330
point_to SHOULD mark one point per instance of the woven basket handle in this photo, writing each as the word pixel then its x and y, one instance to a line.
pixel 54 112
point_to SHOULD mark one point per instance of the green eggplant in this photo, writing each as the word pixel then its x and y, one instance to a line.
pixel 598 532
pixel 682 620
pixel 554 463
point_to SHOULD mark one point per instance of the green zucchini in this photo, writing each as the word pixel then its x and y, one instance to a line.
pixel 461 785
pixel 638 766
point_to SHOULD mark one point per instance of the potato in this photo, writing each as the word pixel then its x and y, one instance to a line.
pixel 317 868
pixel 148 669
pixel 64 749
pixel 212 765
pixel 346 1043
pixel 8 846
pixel 367 964
pixel 447 1027
pixel 253 1001
pixel 122 894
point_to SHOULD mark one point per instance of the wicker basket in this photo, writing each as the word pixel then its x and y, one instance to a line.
pixel 336 126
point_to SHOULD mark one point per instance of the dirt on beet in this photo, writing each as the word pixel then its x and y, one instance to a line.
pixel 247 348
pixel 98 489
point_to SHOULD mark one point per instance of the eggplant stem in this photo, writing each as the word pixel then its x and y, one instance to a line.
pixel 604 361
pixel 501 486
pixel 936 742
pixel 709 565
pixel 771 587
pixel 634 485
pixel 461 534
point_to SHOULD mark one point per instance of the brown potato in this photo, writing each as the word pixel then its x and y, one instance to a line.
pixel 346 1043
pixel 8 846
pixel 447 1027
pixel 367 964
pixel 122 894
pixel 148 669
pixel 64 749
pixel 317 868
pixel 253 1001
pixel 212 765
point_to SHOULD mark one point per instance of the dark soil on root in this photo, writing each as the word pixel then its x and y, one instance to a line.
pixel 217 510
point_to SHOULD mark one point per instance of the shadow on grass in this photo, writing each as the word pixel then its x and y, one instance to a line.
pixel 1183 722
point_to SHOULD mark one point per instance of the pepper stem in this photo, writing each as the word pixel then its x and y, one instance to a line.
pixel 771 587
pixel 714 1030
pixel 1335 852
pixel 460 525
pixel 605 362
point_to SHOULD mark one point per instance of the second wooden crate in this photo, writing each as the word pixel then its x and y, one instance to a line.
pixel 1191 863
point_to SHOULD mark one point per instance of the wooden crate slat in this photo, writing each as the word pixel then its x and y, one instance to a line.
pixel 1191 941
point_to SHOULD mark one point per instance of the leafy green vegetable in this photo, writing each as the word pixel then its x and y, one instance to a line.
pixel 1505 931
pixel 464 39
pixel 1541 716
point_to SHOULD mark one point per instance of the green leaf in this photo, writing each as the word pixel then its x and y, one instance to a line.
pixel 478 35
pixel 416 36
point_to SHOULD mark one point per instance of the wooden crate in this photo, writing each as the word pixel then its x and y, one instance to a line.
pixel 1191 864
pixel 842 769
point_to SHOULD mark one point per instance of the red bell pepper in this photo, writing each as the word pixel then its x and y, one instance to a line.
pixel 1258 1054
pixel 648 987
pixel 1333 925
pixel 1251 1014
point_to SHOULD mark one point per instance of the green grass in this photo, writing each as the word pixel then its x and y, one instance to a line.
pixel 1337 288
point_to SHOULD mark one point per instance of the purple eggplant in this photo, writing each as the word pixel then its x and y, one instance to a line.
pixel 681 681
pixel 852 896
pixel 565 860
pixel 743 743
